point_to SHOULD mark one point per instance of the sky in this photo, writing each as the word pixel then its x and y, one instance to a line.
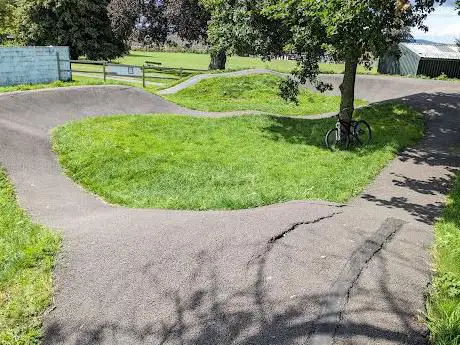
pixel 443 24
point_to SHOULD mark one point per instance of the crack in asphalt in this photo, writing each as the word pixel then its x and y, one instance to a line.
pixel 332 313
pixel 271 243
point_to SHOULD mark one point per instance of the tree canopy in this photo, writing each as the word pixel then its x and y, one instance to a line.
pixel 6 17
pixel 151 21
pixel 152 26
pixel 188 19
pixel 83 25
pixel 124 14
pixel 239 27
pixel 353 31
pixel 4 12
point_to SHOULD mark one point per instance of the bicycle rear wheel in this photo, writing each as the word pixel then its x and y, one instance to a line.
pixel 333 143
pixel 363 132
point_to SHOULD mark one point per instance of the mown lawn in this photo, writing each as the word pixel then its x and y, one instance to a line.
pixel 56 84
pixel 201 61
pixel 180 162
pixel 444 301
pixel 255 92
pixel 27 256
pixel 77 81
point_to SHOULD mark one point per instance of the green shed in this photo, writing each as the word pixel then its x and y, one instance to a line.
pixel 430 60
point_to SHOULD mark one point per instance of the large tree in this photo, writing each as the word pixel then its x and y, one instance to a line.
pixel 5 10
pixel 6 17
pixel 153 25
pixel 83 25
pixel 239 27
pixel 124 15
pixel 150 21
pixel 188 19
pixel 353 31
pixel 142 20
pixel 219 31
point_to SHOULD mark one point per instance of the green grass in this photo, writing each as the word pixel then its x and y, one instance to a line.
pixel 201 61
pixel 27 255
pixel 77 81
pixel 444 301
pixel 256 92
pixel 26 87
pixel 180 162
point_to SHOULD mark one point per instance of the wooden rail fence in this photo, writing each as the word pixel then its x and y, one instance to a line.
pixel 150 70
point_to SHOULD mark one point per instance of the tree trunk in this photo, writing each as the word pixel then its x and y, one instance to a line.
pixel 218 60
pixel 347 89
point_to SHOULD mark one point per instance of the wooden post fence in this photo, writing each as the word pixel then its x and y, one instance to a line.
pixel 143 76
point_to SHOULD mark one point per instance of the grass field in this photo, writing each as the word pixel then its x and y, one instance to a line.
pixel 444 302
pixel 26 87
pixel 256 92
pixel 201 61
pixel 27 254
pixel 178 162
pixel 77 81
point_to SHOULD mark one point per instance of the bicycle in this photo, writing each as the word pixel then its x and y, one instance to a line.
pixel 358 132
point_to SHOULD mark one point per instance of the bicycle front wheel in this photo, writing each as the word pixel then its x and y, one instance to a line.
pixel 363 132
pixel 333 143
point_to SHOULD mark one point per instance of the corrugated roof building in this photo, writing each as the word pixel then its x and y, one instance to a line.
pixel 431 60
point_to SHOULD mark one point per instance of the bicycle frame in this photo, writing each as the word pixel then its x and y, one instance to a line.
pixel 340 123
pixel 349 132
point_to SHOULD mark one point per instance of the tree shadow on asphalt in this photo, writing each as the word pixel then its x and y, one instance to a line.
pixel 414 332
pixel 215 315
pixel 213 312
pixel 438 148
pixel 425 213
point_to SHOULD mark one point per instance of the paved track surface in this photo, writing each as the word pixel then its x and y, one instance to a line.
pixel 296 273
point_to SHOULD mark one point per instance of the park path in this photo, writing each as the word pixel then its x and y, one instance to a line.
pixel 302 272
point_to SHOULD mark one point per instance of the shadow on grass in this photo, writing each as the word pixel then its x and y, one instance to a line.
pixel 210 308
pixel 392 124
pixel 395 125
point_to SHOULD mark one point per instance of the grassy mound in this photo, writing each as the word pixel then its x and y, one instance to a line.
pixel 178 162
pixel 255 92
